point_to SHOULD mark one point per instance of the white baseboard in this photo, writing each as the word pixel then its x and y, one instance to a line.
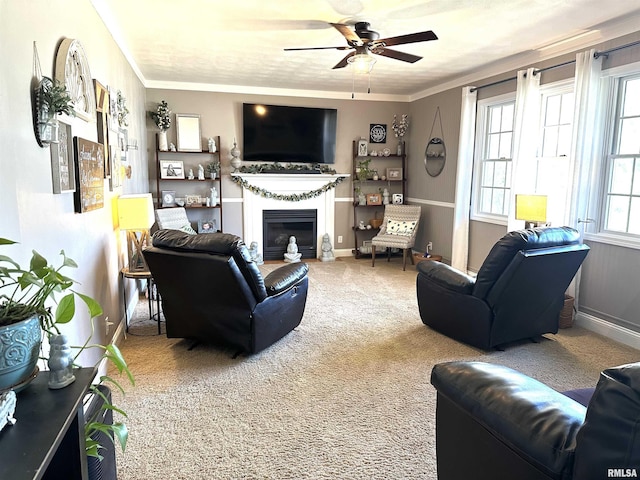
pixel 343 252
pixel 609 330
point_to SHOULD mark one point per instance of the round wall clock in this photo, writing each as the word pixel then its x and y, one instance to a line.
pixel 72 69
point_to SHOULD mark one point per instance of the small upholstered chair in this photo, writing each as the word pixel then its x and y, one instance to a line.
pixel 174 219
pixel 398 230
pixel 495 423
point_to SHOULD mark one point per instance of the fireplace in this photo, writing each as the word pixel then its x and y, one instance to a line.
pixel 279 225
pixel 253 203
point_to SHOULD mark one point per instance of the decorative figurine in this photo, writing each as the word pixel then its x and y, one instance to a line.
pixel 361 225
pixel 255 256
pixel 213 196
pixel 212 145
pixel 327 250
pixel 385 197
pixel 172 147
pixel 191 177
pixel 292 255
pixel 200 172
pixel 60 362
pixel 235 156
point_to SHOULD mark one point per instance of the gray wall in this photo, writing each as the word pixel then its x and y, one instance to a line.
pixel 30 213
pixel 221 114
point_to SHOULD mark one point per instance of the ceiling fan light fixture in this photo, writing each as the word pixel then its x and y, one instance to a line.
pixel 362 63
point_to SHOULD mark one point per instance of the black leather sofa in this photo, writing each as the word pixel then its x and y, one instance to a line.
pixel 212 291
pixel 517 294
pixel 494 423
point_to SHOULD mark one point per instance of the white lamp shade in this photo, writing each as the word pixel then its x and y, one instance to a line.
pixel 532 208
pixel 135 212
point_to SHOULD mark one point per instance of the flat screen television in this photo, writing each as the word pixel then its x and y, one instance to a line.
pixel 277 133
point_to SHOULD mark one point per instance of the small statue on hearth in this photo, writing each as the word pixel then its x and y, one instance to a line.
pixel 292 255
pixel 255 255
pixel 327 250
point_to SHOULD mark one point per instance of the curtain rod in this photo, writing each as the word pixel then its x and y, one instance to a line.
pixel 595 55
pixel 615 49
pixel 473 89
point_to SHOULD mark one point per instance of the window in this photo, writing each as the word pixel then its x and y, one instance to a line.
pixel 553 177
pixel 621 202
pixel 494 141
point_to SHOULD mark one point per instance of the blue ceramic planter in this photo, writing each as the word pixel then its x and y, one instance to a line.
pixel 19 350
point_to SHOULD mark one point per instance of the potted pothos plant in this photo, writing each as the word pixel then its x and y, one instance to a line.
pixel 53 99
pixel 27 298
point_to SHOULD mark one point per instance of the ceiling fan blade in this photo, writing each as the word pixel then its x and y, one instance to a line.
pixel 343 63
pixel 405 57
pixel 317 48
pixel 409 38
pixel 348 33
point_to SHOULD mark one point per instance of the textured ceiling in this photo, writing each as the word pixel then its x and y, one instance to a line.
pixel 226 44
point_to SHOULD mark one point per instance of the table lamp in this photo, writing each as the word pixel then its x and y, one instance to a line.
pixel 532 209
pixel 135 214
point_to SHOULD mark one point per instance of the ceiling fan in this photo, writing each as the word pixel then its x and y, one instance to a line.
pixel 364 41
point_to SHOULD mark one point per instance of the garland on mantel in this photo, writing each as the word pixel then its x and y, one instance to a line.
pixel 294 197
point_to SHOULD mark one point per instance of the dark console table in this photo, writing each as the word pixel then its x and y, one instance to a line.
pixel 47 441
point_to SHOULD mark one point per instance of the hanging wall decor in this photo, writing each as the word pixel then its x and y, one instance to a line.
pixel 63 174
pixel 72 69
pixel 435 154
pixel 102 114
pixel 89 159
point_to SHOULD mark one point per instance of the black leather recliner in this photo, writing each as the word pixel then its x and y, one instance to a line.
pixel 212 291
pixel 517 294
pixel 494 423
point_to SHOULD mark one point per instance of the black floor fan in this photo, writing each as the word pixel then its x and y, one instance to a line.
pixel 104 469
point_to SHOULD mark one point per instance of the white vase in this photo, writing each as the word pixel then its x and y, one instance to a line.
pixel 163 145
pixel 235 157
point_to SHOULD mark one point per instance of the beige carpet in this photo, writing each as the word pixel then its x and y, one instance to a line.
pixel 344 396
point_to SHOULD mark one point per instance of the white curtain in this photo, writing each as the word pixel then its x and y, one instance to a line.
pixel 586 144
pixel 464 175
pixel 525 139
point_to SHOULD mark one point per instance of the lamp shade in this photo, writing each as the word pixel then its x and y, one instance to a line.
pixel 135 212
pixel 532 208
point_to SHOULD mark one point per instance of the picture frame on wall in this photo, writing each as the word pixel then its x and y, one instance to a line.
pixel 63 173
pixel 188 131
pixel 172 169
pixel 378 133
pixel 89 164
pixel 102 122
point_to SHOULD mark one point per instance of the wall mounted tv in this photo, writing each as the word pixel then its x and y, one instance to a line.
pixel 277 133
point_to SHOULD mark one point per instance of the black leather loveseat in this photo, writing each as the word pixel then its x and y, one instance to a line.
pixel 212 291
pixel 494 423
pixel 517 294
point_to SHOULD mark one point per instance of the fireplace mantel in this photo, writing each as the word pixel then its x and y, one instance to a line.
pixel 287 184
